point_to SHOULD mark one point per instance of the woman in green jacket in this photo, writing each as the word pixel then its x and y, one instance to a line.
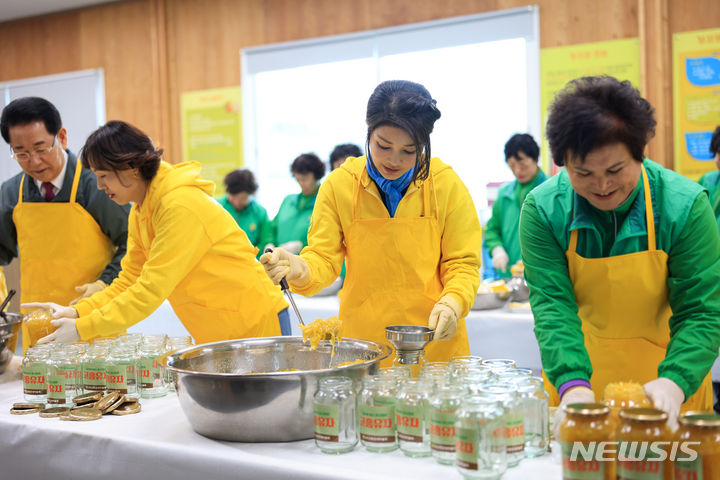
pixel 711 180
pixel 250 216
pixel 622 257
pixel 291 224
pixel 502 239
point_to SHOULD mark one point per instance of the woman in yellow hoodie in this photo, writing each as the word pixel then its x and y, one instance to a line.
pixel 405 224
pixel 182 246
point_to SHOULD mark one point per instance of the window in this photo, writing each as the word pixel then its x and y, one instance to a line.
pixel 311 95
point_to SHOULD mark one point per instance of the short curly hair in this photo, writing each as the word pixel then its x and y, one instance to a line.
pixel 308 163
pixel 592 112
pixel 239 181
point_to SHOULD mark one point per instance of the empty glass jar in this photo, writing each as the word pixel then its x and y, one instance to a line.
pixel 480 438
pixel 334 411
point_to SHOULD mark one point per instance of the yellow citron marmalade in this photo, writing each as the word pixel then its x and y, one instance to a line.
pixel 321 329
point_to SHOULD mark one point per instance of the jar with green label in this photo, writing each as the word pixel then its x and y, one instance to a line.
pixel 173 344
pixel 121 372
pixel 93 367
pixel 34 370
pixel 480 438
pixel 412 418
pixel 506 394
pixel 536 413
pixel 699 439
pixel 444 404
pixel 376 413
pixel 150 378
pixel 334 413
pixel 60 378
pixel 583 431
pixel 74 372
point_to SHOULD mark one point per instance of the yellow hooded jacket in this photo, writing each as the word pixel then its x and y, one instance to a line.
pixel 183 246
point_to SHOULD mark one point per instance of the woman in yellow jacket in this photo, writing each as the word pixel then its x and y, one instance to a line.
pixel 182 246
pixel 404 222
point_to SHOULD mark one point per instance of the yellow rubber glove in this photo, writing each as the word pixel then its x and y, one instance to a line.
pixel 88 289
pixel 444 317
pixel 280 264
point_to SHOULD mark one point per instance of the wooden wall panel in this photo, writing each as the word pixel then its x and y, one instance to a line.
pixel 154 50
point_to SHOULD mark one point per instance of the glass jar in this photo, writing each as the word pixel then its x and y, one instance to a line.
pixel 412 418
pixel 444 404
pixel 507 394
pixel 620 395
pixel 584 426
pixel 535 404
pixel 497 364
pixel 480 438
pixel 74 373
pixel 121 372
pixel 637 430
pixel 702 427
pixel 34 369
pixel 396 372
pixel 150 378
pixel 473 379
pixel 376 410
pixel 93 367
pixel 173 344
pixel 60 378
pixel 335 422
pixel 507 375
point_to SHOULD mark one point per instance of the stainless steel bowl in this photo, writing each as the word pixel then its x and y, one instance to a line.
pixel 9 328
pixel 232 390
pixel 489 301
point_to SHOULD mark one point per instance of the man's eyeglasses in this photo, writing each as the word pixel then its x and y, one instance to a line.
pixel 25 156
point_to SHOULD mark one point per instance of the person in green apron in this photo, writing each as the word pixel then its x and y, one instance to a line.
pixel 341 152
pixel 501 237
pixel 622 257
pixel 251 217
pixel 290 225
pixel 69 237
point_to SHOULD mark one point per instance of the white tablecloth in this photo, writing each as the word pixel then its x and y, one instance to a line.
pixel 159 443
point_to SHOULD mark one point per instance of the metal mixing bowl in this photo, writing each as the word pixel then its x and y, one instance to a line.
pixel 9 328
pixel 223 397
pixel 489 300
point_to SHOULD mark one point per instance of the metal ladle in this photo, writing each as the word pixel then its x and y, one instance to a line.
pixel 286 289
pixel 5 302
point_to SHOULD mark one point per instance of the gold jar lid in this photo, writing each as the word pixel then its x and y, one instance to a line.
pixel 127 408
pixel 107 400
pixel 24 406
pixel 53 412
pixel 119 401
pixel 85 414
pixel 87 398
pixel 700 419
pixel 587 409
pixel 24 411
pixel 643 414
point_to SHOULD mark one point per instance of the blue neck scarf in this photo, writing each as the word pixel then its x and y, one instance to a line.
pixel 392 189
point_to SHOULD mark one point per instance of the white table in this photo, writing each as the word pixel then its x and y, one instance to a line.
pixel 159 443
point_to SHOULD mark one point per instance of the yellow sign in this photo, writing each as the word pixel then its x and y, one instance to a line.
pixel 696 99
pixel 212 131
pixel 559 65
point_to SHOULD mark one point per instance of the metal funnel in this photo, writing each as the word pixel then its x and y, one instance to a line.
pixel 409 341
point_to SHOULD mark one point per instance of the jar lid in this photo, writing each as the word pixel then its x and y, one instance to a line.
pixel 643 414
pixel 587 409
pixel 700 419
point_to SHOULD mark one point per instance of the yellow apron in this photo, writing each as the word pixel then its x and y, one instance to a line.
pixel 624 308
pixel 3 285
pixel 393 276
pixel 60 246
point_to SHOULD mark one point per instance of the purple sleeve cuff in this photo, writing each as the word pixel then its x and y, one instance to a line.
pixel 570 384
